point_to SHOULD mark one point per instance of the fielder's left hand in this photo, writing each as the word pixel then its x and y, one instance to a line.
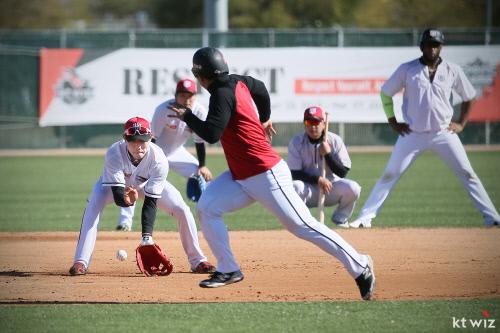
pixel 205 173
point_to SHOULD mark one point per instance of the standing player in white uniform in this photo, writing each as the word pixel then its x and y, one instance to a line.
pixel 256 173
pixel 428 83
pixel 305 154
pixel 137 163
pixel 171 135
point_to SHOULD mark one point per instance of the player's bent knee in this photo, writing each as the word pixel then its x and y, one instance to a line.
pixel 204 208
pixel 355 190
pixel 296 230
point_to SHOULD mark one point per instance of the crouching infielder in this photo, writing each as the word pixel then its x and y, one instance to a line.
pixel 135 167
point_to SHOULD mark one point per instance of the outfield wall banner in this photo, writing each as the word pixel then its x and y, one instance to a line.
pixel 94 87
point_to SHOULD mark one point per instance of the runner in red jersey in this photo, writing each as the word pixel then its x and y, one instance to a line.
pixel 256 172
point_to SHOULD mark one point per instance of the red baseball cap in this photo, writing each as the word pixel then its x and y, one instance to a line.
pixel 314 113
pixel 137 128
pixel 186 85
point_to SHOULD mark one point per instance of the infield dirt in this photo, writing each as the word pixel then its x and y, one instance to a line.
pixel 410 264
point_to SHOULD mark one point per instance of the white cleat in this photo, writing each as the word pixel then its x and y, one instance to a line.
pixel 361 223
pixel 147 240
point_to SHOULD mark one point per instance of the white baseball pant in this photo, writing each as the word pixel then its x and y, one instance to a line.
pixel 274 190
pixel 171 203
pixel 449 148
pixel 344 192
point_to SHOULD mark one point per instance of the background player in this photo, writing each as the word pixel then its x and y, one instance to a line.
pixel 171 134
pixel 305 154
pixel 256 172
pixel 428 82
pixel 137 163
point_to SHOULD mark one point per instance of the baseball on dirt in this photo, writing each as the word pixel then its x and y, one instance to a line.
pixel 121 255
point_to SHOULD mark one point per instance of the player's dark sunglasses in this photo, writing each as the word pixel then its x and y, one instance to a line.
pixel 137 131
pixel 312 122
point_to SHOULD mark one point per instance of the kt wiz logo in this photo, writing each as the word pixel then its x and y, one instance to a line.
pixel 484 322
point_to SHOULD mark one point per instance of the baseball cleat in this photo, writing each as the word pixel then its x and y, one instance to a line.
pixel 218 279
pixel 361 223
pixel 78 268
pixel 204 267
pixel 147 240
pixel 123 227
pixel 366 281
pixel 343 225
pixel 492 224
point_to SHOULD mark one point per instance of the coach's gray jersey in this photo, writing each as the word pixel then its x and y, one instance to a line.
pixel 426 105
pixel 303 155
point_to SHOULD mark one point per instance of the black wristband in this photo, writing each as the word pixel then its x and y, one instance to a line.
pixel 201 153
pixel 336 166
pixel 118 193
pixel 304 176
pixel 148 216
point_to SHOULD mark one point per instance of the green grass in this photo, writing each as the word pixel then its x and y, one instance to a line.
pixel 49 193
pixel 402 316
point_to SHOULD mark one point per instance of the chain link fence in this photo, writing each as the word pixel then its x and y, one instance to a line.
pixel 19 78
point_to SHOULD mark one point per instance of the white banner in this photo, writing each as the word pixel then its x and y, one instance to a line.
pixel 344 81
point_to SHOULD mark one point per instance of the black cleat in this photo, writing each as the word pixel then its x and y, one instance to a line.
pixel 123 227
pixel 366 281
pixel 218 279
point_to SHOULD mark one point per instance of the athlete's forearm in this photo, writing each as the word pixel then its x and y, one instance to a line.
pixel 201 153
pixel 387 104
pixel 464 112
pixel 337 167
pixel 212 128
pixel 304 176
pixel 148 216
pixel 118 193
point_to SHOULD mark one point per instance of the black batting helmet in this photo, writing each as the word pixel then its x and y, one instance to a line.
pixel 431 35
pixel 209 63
